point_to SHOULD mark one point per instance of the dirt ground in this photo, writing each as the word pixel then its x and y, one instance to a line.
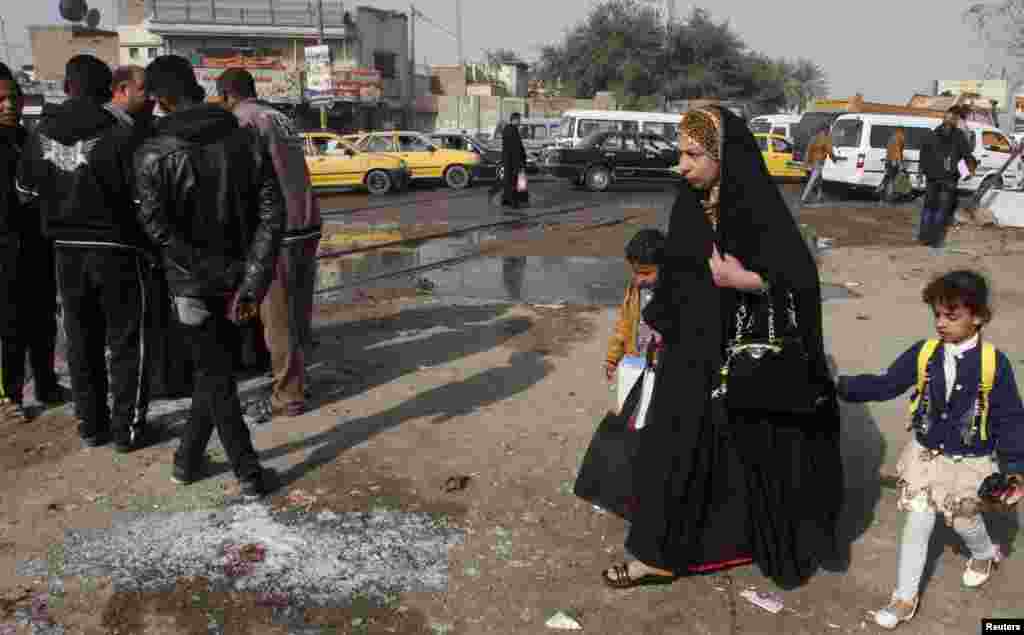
pixel 505 403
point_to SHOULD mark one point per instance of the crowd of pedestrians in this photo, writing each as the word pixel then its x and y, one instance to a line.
pixel 144 207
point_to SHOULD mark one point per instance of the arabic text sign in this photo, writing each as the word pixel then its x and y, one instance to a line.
pixel 270 84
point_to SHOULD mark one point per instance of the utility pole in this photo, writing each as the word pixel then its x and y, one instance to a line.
pixel 320 41
pixel 411 101
pixel 458 29
pixel 7 44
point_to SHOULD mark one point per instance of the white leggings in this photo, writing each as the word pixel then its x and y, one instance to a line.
pixel 917 532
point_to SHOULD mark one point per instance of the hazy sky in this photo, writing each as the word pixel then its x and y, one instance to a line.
pixel 886 49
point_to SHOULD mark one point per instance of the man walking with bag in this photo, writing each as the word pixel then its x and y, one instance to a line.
pixel 513 156
pixel 287 311
pixel 211 202
pixel 941 155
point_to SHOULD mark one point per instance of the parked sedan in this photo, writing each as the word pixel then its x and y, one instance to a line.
pixel 777 153
pixel 333 164
pixel 426 160
pixel 490 159
pixel 607 157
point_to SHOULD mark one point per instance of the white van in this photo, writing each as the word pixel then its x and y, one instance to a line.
pixel 783 125
pixel 578 124
pixel 859 141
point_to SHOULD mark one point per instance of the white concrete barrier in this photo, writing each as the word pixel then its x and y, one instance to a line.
pixel 1007 206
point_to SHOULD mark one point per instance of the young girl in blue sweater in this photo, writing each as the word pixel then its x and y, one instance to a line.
pixel 963 433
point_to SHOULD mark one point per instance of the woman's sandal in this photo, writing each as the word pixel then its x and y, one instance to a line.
pixel 624 581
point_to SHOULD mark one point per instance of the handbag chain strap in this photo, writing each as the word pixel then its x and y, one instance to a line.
pixel 745 318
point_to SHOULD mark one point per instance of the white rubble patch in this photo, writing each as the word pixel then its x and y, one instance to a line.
pixel 319 562
pixel 561 621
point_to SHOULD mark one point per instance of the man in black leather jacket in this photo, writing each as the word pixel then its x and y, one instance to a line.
pixel 210 200
pixel 12 347
pixel 28 289
pixel 78 162
pixel 941 153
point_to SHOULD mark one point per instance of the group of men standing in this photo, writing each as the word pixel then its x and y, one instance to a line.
pixel 135 183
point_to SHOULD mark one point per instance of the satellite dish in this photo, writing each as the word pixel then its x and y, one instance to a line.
pixel 92 18
pixel 73 10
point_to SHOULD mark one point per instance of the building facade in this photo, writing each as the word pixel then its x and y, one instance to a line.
pixel 369 48
pixel 54 45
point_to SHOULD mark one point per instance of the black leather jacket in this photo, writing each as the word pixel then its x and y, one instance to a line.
pixel 210 200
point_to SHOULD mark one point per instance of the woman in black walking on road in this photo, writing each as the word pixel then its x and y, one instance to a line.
pixel 716 487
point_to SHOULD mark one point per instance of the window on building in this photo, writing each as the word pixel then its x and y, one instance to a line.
pixel 133 53
pixel 152 53
pixel 385 63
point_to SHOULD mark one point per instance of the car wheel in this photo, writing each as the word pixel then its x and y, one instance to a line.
pixel 457 177
pixel 378 182
pixel 598 178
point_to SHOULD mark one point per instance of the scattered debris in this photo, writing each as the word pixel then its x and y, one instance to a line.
pixel 863 316
pixel 272 599
pixel 851 285
pixel 825 243
pixel 456 483
pixel 300 498
pixel 770 602
pixel 560 305
pixel 563 622
pixel 831 625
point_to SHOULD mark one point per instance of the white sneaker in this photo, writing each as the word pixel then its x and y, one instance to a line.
pixel 896 613
pixel 975 577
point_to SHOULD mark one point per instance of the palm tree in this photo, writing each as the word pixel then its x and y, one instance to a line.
pixel 807 81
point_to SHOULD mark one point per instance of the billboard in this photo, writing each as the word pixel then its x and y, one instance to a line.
pixel 994 89
pixel 271 84
pixel 357 83
pixel 319 80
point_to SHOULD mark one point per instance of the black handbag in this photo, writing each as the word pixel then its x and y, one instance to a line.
pixel 770 374
pixel 605 477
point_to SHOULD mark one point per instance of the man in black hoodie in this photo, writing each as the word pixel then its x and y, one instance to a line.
pixel 941 154
pixel 211 202
pixel 79 161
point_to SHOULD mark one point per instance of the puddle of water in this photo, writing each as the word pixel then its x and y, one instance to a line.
pixel 532 279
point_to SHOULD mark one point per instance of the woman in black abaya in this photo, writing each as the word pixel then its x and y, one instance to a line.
pixel 716 488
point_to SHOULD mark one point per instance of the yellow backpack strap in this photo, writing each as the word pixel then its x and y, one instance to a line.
pixel 988 379
pixel 925 354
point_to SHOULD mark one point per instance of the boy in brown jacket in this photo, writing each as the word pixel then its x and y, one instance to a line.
pixel 631 336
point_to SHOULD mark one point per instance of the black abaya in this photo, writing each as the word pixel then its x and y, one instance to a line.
pixel 513 157
pixel 716 488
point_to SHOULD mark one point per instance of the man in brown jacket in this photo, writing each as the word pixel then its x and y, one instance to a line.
pixel 893 163
pixel 819 149
pixel 287 310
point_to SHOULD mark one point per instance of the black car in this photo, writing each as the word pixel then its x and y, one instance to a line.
pixel 604 158
pixel 490 158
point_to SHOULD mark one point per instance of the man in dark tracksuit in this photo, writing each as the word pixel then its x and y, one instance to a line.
pixel 941 154
pixel 209 199
pixel 28 292
pixel 78 160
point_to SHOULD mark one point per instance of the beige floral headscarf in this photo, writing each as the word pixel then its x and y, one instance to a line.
pixel 703 126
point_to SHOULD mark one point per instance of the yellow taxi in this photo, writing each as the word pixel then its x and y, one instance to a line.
pixel 426 161
pixel 778 156
pixel 333 163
